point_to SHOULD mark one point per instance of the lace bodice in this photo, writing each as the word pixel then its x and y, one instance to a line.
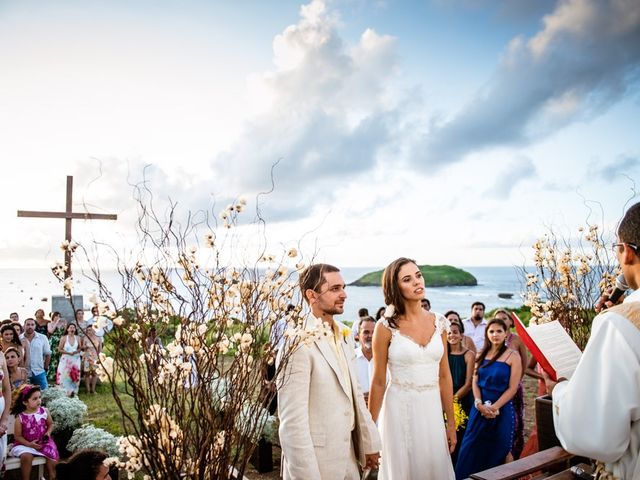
pixel 413 366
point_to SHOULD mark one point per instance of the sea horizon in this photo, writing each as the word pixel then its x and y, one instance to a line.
pixel 26 289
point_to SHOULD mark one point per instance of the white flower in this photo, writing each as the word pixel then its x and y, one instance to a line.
pixel 292 253
pixel 118 321
pixel 389 311
pixel 68 283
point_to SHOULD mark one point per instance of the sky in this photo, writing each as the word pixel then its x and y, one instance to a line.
pixel 450 131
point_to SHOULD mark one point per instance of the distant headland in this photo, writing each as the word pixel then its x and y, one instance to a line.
pixel 434 276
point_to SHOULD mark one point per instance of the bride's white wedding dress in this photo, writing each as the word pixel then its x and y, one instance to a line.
pixel 411 423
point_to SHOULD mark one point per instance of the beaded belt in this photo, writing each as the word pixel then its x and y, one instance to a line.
pixel 413 386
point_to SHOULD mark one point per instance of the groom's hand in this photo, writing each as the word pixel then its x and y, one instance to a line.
pixel 373 459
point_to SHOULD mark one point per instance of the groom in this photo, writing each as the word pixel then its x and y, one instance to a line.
pixel 325 427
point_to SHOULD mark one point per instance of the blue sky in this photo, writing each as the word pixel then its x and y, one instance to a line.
pixel 451 131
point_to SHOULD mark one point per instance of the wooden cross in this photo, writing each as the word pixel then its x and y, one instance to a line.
pixel 68 215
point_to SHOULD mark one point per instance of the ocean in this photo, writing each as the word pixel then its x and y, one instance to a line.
pixel 26 290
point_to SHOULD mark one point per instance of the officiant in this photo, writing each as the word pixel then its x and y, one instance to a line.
pixel 597 412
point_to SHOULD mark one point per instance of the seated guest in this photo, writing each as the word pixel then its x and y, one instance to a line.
pixel 84 465
pixel 9 338
pixel 467 342
pixel 17 374
pixel 461 361
pixel 488 440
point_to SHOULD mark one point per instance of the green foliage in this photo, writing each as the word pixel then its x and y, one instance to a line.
pixel 434 276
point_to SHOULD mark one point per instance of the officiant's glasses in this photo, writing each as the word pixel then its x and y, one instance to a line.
pixel 614 246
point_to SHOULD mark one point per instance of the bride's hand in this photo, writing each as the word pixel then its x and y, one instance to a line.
pixel 451 437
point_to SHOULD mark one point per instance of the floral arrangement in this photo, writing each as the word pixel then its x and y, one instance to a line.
pixel 89 436
pixel 52 393
pixel 569 276
pixel 459 415
pixel 213 299
pixel 270 430
pixel 67 413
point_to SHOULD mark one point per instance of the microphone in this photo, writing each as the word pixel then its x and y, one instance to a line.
pixel 621 287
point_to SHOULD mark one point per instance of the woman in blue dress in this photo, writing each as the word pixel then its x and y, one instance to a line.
pixel 488 439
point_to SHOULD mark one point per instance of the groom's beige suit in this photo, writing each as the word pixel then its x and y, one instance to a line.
pixel 325 427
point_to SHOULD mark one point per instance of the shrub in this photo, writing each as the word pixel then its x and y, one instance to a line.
pixel 67 413
pixel 89 436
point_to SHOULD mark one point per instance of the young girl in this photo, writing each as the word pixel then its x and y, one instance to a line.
pixel 17 374
pixel 32 430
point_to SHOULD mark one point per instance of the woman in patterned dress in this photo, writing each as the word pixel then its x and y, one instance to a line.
pixel 92 348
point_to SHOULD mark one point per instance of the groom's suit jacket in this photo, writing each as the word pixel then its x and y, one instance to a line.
pixel 315 414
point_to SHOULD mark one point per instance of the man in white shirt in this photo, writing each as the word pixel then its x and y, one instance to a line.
pixel 474 325
pixel 597 412
pixel 100 323
pixel 364 354
pixel 39 354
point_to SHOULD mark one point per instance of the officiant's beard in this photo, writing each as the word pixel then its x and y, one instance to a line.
pixel 367 345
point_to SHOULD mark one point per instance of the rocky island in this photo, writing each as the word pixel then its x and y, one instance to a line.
pixel 434 276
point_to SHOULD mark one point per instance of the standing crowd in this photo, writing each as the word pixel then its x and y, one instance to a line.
pixel 34 353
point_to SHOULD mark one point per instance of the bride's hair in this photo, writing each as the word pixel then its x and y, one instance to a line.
pixel 391 290
pixel 487 343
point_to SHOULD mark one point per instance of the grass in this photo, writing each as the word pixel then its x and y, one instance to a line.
pixel 102 409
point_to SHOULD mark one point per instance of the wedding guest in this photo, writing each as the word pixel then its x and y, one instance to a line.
pixel 42 323
pixel 154 346
pixel 92 346
pixel 364 354
pixel 487 441
pixel 379 313
pixel 461 361
pixel 426 304
pixel 84 465
pixel 9 338
pixel 474 325
pixel 13 316
pixel 17 375
pixel 39 354
pixel 81 323
pixel 411 342
pixel 596 412
pixel 454 317
pixel 514 342
pixel 56 331
pixel 70 349
pixel 101 323
pixel 5 404
pixel 355 327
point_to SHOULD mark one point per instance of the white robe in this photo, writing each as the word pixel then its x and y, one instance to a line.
pixel 597 412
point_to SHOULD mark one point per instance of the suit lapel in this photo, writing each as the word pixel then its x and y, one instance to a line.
pixel 329 355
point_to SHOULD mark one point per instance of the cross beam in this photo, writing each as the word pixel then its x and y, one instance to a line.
pixel 68 215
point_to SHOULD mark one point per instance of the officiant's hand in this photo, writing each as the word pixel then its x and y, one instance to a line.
pixel 373 459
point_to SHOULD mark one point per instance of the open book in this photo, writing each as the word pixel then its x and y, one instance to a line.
pixel 551 346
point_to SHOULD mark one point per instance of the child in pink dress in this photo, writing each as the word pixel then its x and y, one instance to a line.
pixel 32 430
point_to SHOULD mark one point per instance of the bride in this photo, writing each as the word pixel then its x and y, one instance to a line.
pixel 410 342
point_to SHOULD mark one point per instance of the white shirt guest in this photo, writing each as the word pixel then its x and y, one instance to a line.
pixel 475 325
